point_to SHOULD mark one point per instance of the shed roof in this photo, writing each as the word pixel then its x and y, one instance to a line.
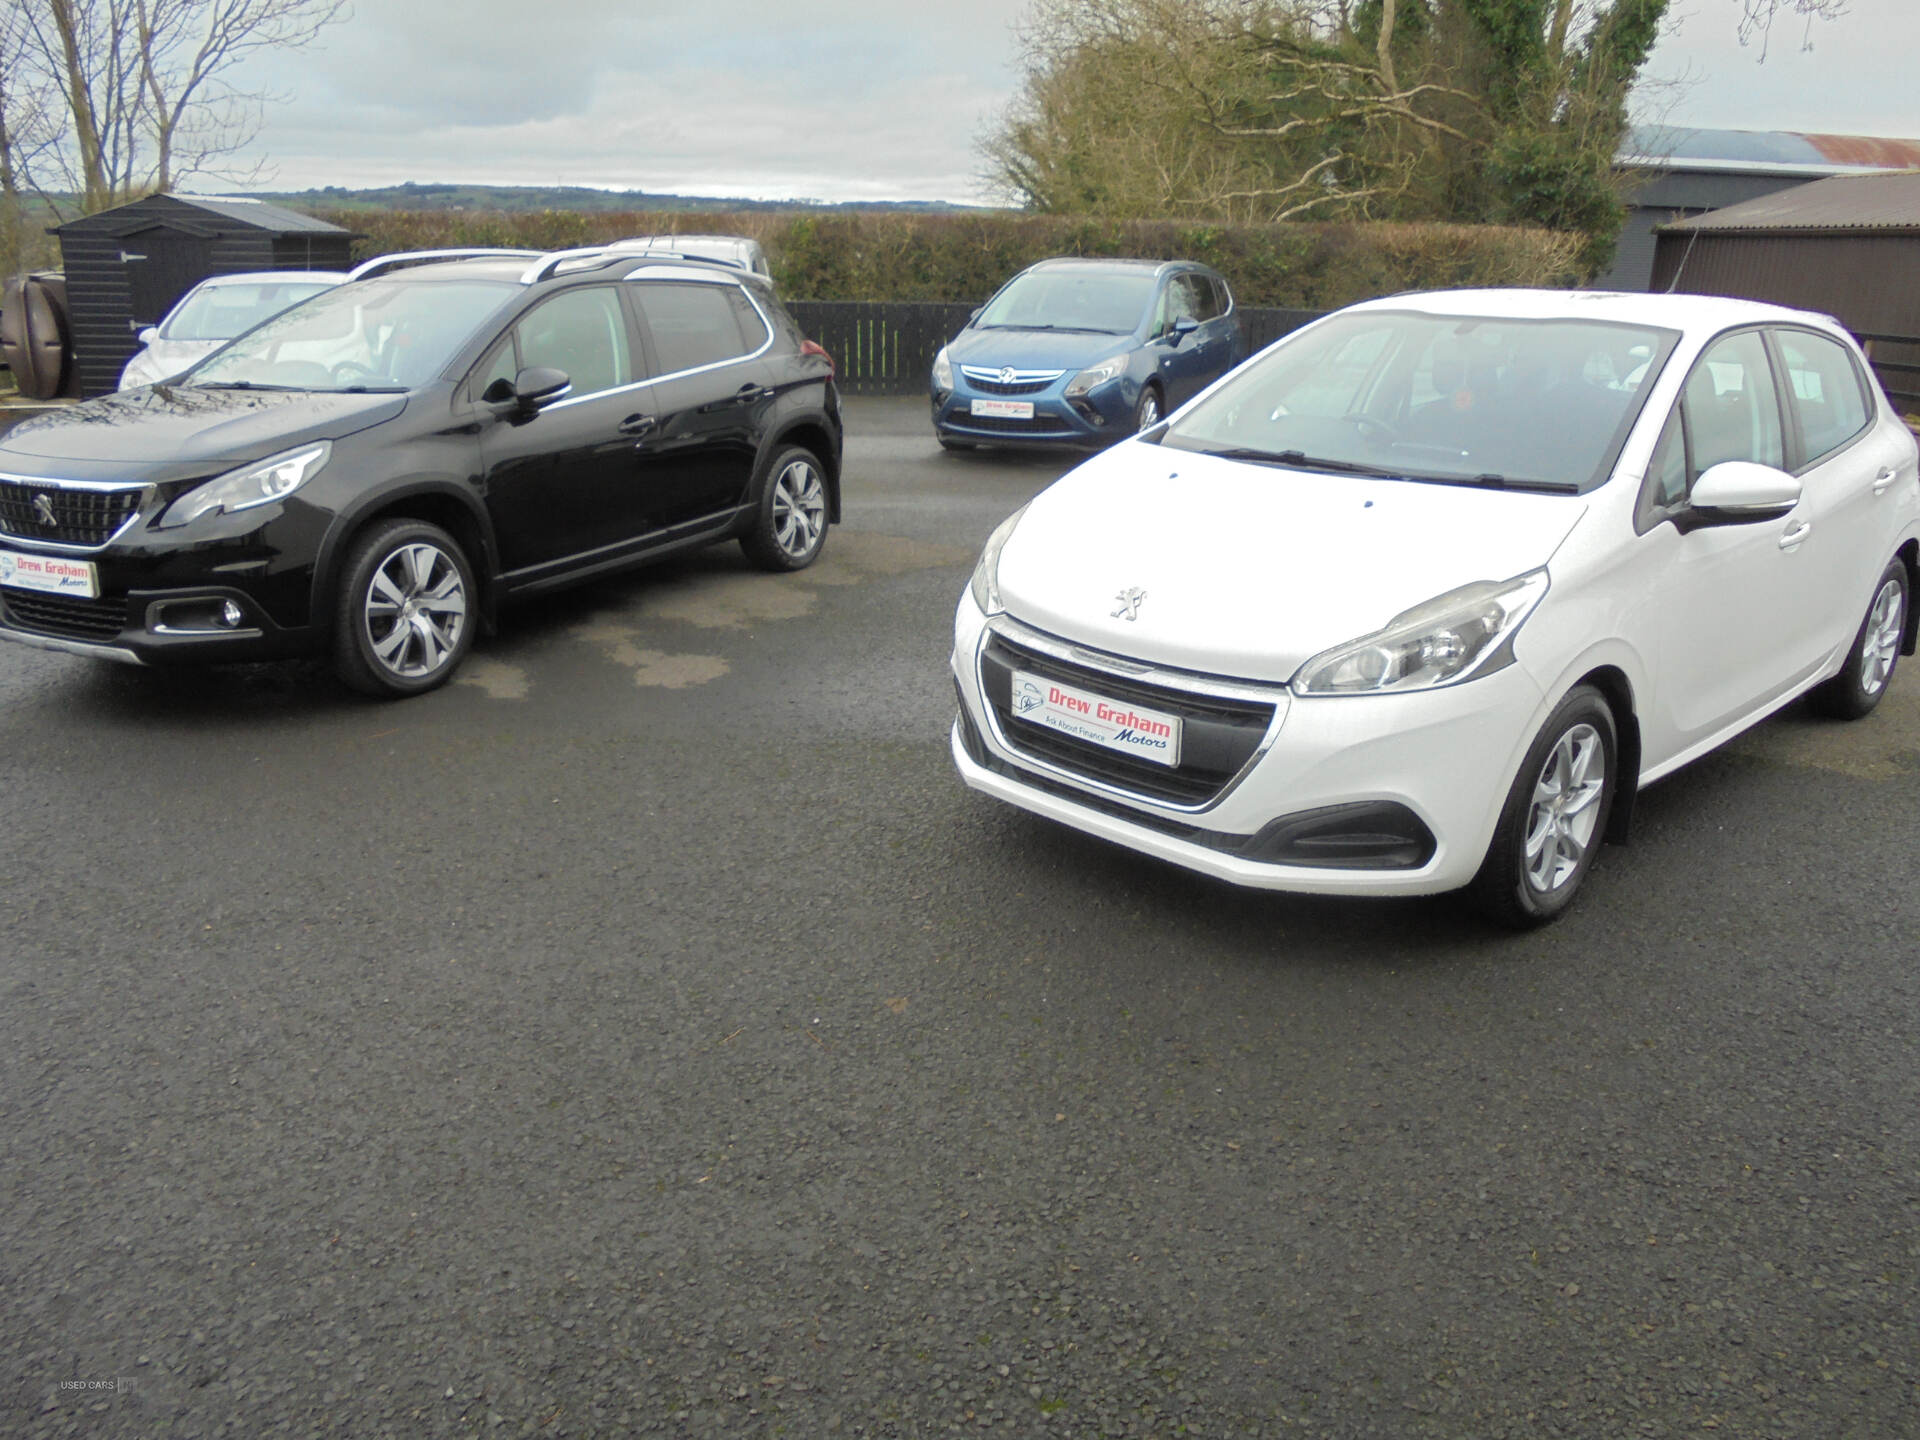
pixel 1881 202
pixel 1778 152
pixel 221 210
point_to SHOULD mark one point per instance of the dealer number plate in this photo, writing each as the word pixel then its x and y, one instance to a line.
pixel 1114 724
pixel 1004 409
pixel 51 573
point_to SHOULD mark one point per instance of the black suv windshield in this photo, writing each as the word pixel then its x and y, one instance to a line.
pixel 390 334
pixel 1071 299
pixel 1531 404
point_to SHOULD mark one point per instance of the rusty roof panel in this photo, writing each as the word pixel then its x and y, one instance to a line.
pixel 1882 151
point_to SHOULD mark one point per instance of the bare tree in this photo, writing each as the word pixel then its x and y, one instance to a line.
pixel 147 90
pixel 1757 17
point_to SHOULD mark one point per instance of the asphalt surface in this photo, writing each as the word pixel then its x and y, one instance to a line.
pixel 649 1034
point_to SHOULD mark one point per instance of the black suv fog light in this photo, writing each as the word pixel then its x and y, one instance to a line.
pixel 203 615
pixel 1370 835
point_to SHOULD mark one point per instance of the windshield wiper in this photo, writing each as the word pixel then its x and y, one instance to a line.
pixel 239 385
pixel 1075 329
pixel 1300 460
pixel 1504 482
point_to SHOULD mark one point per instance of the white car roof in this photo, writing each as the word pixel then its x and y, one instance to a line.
pixel 1699 315
pixel 270 277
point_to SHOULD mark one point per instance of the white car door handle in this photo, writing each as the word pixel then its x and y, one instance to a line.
pixel 1883 481
pixel 1794 536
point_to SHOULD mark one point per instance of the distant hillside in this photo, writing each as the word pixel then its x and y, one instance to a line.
pixel 516 199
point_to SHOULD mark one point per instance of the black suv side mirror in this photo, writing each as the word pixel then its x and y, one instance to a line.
pixel 533 389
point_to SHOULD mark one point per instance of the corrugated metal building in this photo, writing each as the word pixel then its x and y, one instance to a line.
pixel 1848 247
pixel 1678 173
pixel 126 266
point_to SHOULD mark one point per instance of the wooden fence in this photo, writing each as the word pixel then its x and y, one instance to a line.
pixel 887 347
pixel 1896 360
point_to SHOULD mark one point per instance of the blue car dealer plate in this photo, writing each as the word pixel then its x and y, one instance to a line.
pixel 49 573
pixel 1113 724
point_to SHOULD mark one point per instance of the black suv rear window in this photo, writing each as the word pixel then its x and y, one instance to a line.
pixel 695 325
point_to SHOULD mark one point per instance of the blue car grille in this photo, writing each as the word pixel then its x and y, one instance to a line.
pixel 1007 381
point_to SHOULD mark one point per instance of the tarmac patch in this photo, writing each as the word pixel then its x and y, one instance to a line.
pixel 654 668
pixel 500 680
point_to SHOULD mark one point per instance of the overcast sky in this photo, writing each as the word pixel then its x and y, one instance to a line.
pixel 856 99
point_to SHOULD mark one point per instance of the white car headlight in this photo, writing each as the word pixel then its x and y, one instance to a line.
pixel 942 371
pixel 1455 636
pixel 259 484
pixel 985 585
pixel 1095 375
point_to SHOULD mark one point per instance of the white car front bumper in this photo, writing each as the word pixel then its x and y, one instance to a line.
pixel 1448 756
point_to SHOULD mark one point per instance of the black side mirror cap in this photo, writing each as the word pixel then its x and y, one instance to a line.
pixel 538 386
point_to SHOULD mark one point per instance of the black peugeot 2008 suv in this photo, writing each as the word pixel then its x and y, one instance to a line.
pixel 373 473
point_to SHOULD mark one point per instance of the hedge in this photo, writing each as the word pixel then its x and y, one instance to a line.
pixel 882 255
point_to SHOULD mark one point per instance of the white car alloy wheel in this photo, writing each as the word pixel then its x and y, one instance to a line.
pixel 1869 666
pixel 1880 645
pixel 415 610
pixel 1566 808
pixel 799 509
pixel 1555 816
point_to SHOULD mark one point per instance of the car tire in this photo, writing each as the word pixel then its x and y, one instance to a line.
pixel 405 613
pixel 1544 845
pixel 1151 408
pixel 1869 666
pixel 790 522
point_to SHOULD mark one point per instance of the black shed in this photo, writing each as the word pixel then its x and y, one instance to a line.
pixel 126 266
pixel 1848 247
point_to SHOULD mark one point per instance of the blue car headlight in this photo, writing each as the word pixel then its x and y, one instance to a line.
pixel 1095 375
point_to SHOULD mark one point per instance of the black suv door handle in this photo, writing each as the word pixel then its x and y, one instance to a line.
pixel 748 393
pixel 637 425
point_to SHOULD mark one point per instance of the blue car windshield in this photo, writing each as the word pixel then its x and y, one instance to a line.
pixel 389 334
pixel 1528 403
pixel 1109 301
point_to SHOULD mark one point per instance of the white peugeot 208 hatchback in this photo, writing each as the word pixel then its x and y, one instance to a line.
pixel 1418 597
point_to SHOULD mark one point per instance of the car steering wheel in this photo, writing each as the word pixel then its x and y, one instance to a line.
pixel 345 371
pixel 1380 429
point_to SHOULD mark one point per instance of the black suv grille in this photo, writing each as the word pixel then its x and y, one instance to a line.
pixel 1218 734
pixel 64 615
pixel 79 517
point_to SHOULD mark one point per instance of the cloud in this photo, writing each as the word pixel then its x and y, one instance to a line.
pixel 856 103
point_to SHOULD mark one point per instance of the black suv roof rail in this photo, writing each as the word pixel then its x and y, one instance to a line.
pixel 549 264
pixel 384 264
pixel 593 257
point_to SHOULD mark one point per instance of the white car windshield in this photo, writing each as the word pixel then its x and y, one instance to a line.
pixel 1110 301
pixel 220 312
pixel 390 334
pixel 1494 401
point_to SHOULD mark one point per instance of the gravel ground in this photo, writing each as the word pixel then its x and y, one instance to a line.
pixel 650 1035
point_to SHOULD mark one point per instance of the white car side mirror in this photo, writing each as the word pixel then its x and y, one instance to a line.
pixel 1741 492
